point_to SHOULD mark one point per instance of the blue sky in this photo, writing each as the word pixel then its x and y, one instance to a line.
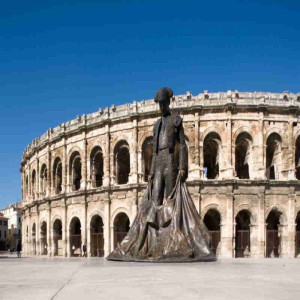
pixel 59 59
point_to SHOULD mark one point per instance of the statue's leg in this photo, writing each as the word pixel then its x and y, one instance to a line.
pixel 170 174
pixel 158 185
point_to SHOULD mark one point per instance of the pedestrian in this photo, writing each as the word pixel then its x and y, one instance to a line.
pixel 19 248
pixel 84 250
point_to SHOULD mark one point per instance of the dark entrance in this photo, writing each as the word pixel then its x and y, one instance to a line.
pixel 44 245
pixel 298 234
pixel 75 237
pixel 242 234
pixel 97 241
pixel 33 233
pixel 212 220
pixel 57 238
pixel 273 241
pixel 121 227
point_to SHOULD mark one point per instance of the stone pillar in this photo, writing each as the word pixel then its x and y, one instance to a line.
pixel 84 164
pixel 49 232
pixel 38 232
pixel 226 165
pixel 197 172
pixel 291 216
pixel 227 233
pixel 134 154
pixel 258 151
pixel 261 224
pixel 106 158
pixel 37 182
pixel 49 173
pixel 65 230
pixel 64 168
pixel 291 151
pixel 107 232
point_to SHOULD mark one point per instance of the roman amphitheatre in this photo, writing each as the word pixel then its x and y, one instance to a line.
pixel 83 180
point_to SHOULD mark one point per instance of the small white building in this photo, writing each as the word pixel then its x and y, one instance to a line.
pixel 14 226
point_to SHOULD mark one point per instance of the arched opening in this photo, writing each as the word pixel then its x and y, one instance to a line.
pixel 298 234
pixel 75 171
pixel 33 239
pixel 242 155
pixel 26 185
pixel 147 154
pixel 97 167
pixel 57 175
pixel 121 227
pixel 57 238
pixel 44 245
pixel 273 156
pixel 33 183
pixel 43 179
pixel 242 234
pixel 122 162
pixel 273 239
pixel 297 158
pixel 97 241
pixel 212 220
pixel 211 152
pixel 75 237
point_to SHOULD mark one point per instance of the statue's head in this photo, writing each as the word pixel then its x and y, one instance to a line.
pixel 163 97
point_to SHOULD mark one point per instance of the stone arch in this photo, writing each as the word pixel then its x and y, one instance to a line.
pixel 243 155
pixel 242 233
pixel 96 229
pixel 214 206
pixel 57 227
pixel 75 170
pixel 33 183
pixel 210 130
pixel 212 220
pixel 57 175
pixel 117 211
pixel 75 235
pixel 247 207
pixel 96 166
pixel 56 217
pixel 73 149
pixel 212 155
pixel 147 154
pixel 43 178
pixel 119 137
pixel 276 223
pixel 122 162
pixel 143 137
pixel 273 155
pixel 240 130
pixel 44 237
pixel 121 227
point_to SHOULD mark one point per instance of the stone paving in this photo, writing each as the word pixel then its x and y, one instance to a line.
pixel 95 278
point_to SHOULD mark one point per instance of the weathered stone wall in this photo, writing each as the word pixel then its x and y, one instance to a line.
pixel 225 115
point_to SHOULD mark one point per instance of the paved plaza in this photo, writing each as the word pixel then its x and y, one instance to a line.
pixel 95 278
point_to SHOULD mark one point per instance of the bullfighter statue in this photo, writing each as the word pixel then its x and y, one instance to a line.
pixel 167 227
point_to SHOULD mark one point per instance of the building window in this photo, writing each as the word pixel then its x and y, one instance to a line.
pixel 75 170
pixel 97 167
pixel 122 162
pixel 57 175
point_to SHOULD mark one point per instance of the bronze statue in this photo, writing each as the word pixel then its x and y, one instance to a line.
pixel 167 227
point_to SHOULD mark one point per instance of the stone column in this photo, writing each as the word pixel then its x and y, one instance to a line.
pixel 64 168
pixel 38 232
pixel 134 153
pixel 261 224
pixel 226 165
pixel 291 151
pixel 37 182
pixel 49 177
pixel 49 232
pixel 198 172
pixel 258 151
pixel 107 232
pixel 64 231
pixel 227 234
pixel 84 164
pixel 291 215
pixel 106 158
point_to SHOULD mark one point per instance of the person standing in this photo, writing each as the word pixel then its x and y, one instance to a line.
pixel 84 250
pixel 19 249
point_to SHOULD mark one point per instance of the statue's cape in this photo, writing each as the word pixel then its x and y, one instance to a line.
pixel 172 232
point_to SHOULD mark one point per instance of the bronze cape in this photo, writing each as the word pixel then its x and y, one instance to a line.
pixel 172 232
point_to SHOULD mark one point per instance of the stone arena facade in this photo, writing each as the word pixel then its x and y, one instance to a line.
pixel 82 181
